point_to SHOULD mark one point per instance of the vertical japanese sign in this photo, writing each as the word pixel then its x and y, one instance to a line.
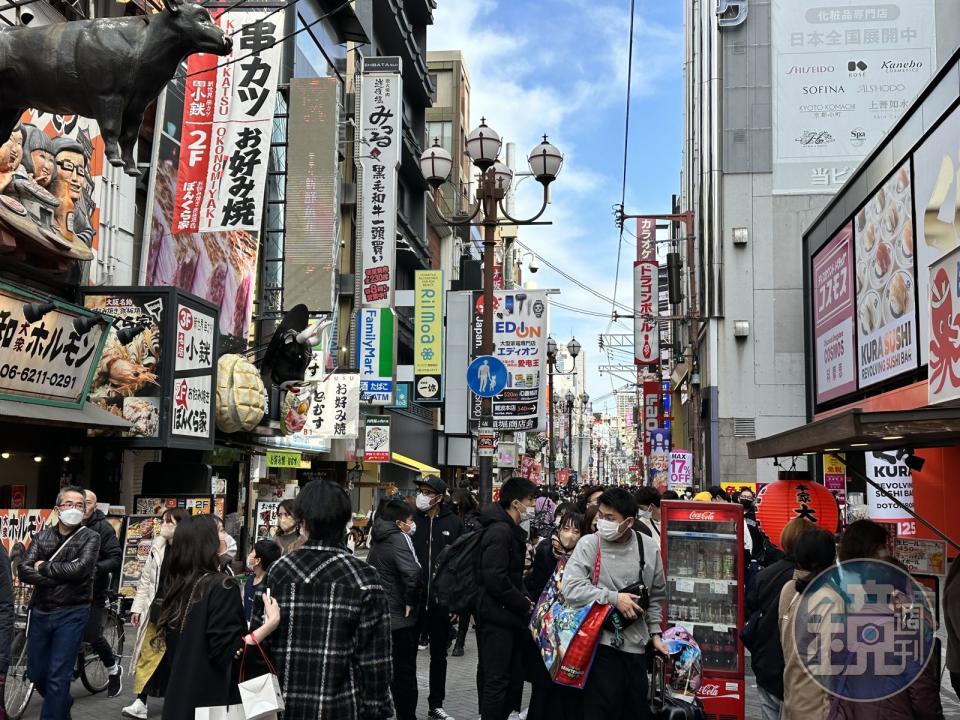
pixel 379 98
pixel 833 317
pixel 520 323
pixel 888 470
pixel 646 295
pixel 651 412
pixel 843 73
pixel 835 477
pixel 194 369
pixel 428 336
pixel 375 355
pixel 195 336
pixel 886 309
pixel 227 114
pixel 334 408
pixel 376 442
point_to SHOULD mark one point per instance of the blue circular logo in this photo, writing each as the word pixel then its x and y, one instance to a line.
pixel 864 630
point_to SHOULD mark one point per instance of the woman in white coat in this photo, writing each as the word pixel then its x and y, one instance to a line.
pixel 147 662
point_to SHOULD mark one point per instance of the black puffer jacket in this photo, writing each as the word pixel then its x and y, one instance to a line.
pixel 111 554
pixel 6 610
pixel 763 596
pixel 66 581
pixel 503 600
pixel 432 536
pixel 393 559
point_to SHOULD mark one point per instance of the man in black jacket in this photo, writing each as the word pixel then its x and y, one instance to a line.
pixel 503 609
pixel 437 526
pixel 60 562
pixel 108 564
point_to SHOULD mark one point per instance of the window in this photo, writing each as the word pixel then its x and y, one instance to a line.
pixel 444 85
pixel 442 131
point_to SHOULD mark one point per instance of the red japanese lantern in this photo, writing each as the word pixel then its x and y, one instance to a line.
pixel 782 501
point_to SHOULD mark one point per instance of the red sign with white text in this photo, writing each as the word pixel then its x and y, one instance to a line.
pixel 833 317
pixel 199 95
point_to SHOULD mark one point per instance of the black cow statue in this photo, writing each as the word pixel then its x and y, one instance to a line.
pixel 109 69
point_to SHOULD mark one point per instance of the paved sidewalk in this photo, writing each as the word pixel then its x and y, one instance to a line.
pixel 461 700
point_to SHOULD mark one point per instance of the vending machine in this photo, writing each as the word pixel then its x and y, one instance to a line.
pixel 704 564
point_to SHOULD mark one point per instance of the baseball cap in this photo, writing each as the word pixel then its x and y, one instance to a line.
pixel 434 483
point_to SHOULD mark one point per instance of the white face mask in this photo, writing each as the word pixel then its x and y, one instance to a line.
pixel 608 529
pixel 645 514
pixel 413 528
pixel 527 512
pixel 424 503
pixel 71 517
pixel 167 530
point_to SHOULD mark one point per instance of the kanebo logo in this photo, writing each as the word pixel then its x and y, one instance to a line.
pixel 810 69
pixel 702 515
pixel 902 67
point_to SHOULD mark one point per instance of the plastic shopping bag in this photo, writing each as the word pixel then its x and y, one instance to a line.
pixel 221 712
pixel 261 696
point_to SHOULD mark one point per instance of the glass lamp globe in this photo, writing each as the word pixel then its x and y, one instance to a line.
pixel 573 347
pixel 435 164
pixel 551 347
pixel 545 162
pixel 483 145
pixel 503 175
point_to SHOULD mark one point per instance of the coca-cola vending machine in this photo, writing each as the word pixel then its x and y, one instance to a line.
pixel 703 560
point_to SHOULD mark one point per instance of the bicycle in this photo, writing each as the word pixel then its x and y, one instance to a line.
pixel 88 669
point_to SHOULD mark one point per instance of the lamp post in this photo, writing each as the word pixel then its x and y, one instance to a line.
pixel 569 454
pixel 573 349
pixel 584 403
pixel 483 147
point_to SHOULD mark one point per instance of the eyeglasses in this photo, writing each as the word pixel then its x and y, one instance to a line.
pixel 72 506
pixel 69 166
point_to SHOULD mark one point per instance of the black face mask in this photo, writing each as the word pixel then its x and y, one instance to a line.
pixel 747 504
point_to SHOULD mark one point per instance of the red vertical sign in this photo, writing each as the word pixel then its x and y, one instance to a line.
pixel 198 99
pixel 646 295
pixel 651 412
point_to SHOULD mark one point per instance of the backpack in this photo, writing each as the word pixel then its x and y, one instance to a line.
pixel 455 578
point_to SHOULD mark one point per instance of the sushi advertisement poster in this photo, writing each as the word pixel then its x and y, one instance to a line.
pixel 142 530
pixel 886 305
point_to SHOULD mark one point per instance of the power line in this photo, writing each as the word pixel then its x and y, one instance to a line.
pixel 572 279
pixel 579 311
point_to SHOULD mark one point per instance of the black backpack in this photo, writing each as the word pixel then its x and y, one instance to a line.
pixel 455 578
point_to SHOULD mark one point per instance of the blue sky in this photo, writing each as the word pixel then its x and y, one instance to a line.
pixel 560 67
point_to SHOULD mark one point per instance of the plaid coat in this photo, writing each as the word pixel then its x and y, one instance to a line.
pixel 332 650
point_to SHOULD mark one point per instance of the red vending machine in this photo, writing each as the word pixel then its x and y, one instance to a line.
pixel 704 565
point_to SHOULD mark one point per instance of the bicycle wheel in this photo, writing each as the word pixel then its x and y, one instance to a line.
pixel 93 674
pixel 19 689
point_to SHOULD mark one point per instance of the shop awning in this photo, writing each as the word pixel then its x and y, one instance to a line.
pixel 411 464
pixel 89 416
pixel 856 430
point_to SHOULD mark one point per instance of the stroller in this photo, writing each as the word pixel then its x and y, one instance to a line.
pixel 677 699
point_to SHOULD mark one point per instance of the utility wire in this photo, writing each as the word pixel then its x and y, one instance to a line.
pixel 579 311
pixel 276 42
pixel 572 279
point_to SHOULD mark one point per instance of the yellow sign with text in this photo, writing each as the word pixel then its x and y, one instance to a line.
pixel 283 459
pixel 428 328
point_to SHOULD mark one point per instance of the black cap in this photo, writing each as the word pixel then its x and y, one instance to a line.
pixel 434 483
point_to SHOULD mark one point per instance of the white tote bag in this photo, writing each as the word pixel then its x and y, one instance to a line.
pixel 261 696
pixel 222 712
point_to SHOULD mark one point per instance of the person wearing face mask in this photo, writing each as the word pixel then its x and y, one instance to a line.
pixel 60 563
pixel 264 554
pixel 648 511
pixel 437 527
pixel 288 530
pixel 503 608
pixel 148 663
pixel 616 688
pixel 393 558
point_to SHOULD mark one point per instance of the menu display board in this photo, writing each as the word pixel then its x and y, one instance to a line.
pixel 928 557
pixel 886 302
pixel 833 317
pixel 265 524
pixel 196 504
pixel 142 531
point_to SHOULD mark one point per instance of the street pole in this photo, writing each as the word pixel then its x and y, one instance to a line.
pixel 552 470
pixel 491 194
pixel 569 454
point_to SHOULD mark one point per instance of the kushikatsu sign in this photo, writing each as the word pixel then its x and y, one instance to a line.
pixel 47 361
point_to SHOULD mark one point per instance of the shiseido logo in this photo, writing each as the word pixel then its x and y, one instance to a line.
pixel 810 69
pixel 702 515
pixel 892 66
pixel 824 90
pixel 815 138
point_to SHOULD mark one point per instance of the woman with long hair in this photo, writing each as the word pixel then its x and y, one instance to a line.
pixel 203 624
pixel 148 663
pixel 288 528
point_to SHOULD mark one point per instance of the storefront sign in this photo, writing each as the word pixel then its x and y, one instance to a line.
pixel 195 336
pixel 19 526
pixel 925 557
pixel 401 399
pixel 376 442
pixel 379 114
pixel 888 470
pixel 506 455
pixel 843 73
pixel 651 412
pixel 282 459
pixel 681 470
pixel 47 362
pixel 141 532
pixel 195 504
pixel 428 337
pixel 658 464
pixel 192 400
pixel 835 477
pixel 128 376
pixel 886 310
pixel 944 330
pixel 227 117
pixel 646 299
pixel 334 408
pixel 833 313
pixel 375 353
pixel 520 330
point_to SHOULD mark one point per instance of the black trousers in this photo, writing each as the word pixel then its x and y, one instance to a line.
pixel 617 687
pixel 404 682
pixel 463 624
pixel 93 634
pixel 435 624
pixel 499 671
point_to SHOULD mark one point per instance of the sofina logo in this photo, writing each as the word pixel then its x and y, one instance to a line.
pixel 864 630
pixel 824 90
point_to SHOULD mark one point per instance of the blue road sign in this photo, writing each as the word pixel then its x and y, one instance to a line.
pixel 487 376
